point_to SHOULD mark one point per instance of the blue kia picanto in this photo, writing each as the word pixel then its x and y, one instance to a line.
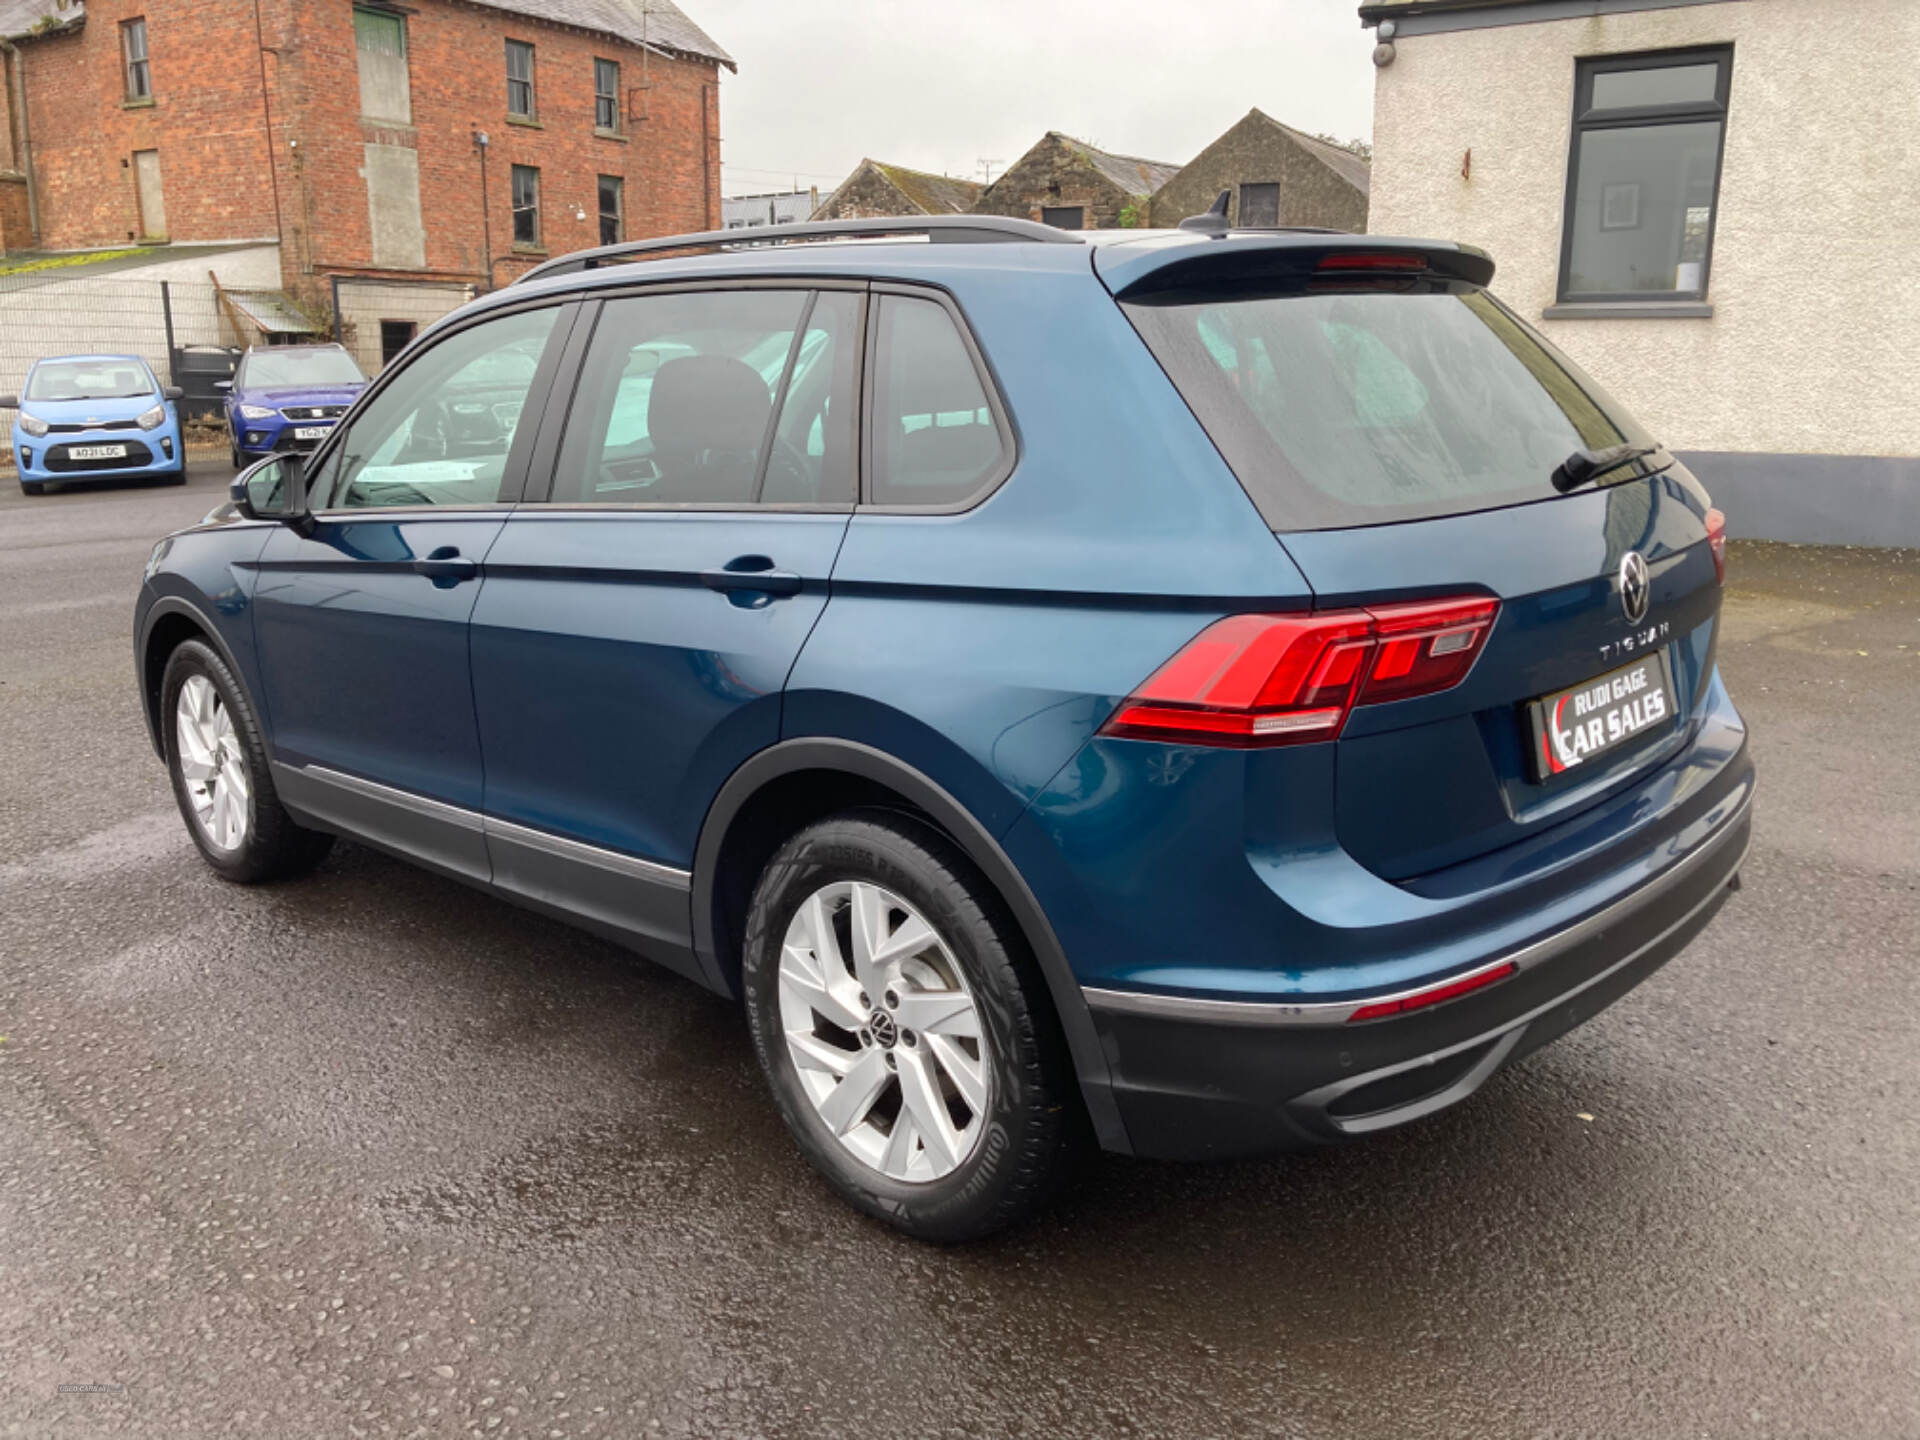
pixel 94 417
pixel 1200 692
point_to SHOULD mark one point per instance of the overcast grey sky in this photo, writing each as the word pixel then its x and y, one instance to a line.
pixel 938 86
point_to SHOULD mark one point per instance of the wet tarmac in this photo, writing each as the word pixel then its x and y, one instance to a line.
pixel 372 1155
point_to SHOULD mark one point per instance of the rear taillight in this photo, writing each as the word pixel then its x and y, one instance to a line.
pixel 1717 543
pixel 1433 994
pixel 1257 680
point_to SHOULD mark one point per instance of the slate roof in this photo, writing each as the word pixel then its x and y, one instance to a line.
pixel 20 17
pixel 1129 172
pixel 1343 162
pixel 935 194
pixel 664 25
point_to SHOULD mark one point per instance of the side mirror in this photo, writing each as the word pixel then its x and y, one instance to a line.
pixel 173 392
pixel 9 402
pixel 274 489
pixel 226 385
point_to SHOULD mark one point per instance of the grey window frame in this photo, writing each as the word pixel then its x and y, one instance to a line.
pixel 1079 210
pixel 1240 217
pixel 517 47
pixel 619 206
pixel 522 455
pixel 610 98
pixel 1586 118
pixel 989 385
pixel 139 66
pixel 538 492
pixel 514 207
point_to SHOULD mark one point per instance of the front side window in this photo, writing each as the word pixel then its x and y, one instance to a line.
pixel 520 79
pixel 677 399
pixel 440 433
pixel 934 437
pixel 606 95
pixel 133 47
pixel 611 216
pixel 526 205
pixel 1644 175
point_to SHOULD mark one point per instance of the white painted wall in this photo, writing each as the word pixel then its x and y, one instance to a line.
pixel 1814 346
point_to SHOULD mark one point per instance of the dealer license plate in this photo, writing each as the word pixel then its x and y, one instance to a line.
pixel 1574 726
pixel 311 432
pixel 96 452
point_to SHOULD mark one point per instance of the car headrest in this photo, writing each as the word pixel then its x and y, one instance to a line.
pixel 707 402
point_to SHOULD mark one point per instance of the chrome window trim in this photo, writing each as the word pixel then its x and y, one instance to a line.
pixel 1336 1012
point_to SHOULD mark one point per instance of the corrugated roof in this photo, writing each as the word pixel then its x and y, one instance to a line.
pixel 1129 172
pixel 1343 162
pixel 271 312
pixel 26 17
pixel 660 24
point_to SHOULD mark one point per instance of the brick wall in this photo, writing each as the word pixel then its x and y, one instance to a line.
pixel 204 120
pixel 208 125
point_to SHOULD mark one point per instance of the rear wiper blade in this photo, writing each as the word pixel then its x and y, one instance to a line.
pixel 1584 465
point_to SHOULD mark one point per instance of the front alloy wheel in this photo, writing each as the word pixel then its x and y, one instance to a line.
pixel 212 765
pixel 883 1031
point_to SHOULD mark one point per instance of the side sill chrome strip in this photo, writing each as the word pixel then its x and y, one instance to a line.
pixel 1335 1012
pixel 650 871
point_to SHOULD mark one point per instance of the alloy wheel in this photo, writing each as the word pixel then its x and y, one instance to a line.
pixel 884 1032
pixel 212 764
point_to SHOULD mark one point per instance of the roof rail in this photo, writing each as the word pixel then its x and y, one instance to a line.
pixel 939 230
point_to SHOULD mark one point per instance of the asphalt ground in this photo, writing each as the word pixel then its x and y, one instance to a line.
pixel 371 1154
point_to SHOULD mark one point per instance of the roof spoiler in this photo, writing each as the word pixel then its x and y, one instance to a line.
pixel 1241 258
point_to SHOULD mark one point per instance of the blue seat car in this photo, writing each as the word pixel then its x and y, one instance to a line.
pixel 1199 692
pixel 94 417
pixel 287 398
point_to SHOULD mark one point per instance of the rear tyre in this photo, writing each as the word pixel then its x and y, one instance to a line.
pixel 911 1048
pixel 217 761
pixel 233 451
pixel 34 487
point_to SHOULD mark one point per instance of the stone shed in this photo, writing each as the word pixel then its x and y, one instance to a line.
pixel 875 188
pixel 1076 186
pixel 1277 175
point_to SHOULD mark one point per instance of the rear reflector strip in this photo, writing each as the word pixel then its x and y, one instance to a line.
pixel 1420 999
pixel 1258 680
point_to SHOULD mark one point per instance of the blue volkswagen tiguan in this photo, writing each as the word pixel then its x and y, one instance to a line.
pixel 1203 692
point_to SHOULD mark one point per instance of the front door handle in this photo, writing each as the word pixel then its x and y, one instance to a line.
pixel 447 564
pixel 752 572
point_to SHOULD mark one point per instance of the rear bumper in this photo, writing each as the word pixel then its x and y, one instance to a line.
pixel 1198 1078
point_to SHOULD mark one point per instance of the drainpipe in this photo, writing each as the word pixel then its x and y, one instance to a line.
pixel 486 213
pixel 18 64
pixel 706 159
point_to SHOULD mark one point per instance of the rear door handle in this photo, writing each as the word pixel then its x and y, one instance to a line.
pixel 447 563
pixel 752 572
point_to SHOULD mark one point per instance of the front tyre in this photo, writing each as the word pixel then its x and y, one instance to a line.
pixel 33 487
pixel 217 761
pixel 911 1048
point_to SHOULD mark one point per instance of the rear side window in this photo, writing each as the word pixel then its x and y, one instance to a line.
pixel 1361 407
pixel 677 400
pixel 935 440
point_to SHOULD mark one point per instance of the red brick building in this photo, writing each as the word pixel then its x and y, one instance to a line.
pixel 350 133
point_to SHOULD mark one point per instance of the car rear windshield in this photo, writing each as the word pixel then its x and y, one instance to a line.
pixel 90 380
pixel 1359 407
pixel 266 369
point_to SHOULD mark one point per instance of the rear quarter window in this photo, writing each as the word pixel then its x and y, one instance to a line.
pixel 1363 406
pixel 937 440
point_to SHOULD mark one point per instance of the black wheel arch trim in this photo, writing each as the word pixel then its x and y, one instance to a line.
pixel 864 761
pixel 162 607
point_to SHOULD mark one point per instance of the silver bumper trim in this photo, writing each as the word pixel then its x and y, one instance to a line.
pixel 1336 1012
